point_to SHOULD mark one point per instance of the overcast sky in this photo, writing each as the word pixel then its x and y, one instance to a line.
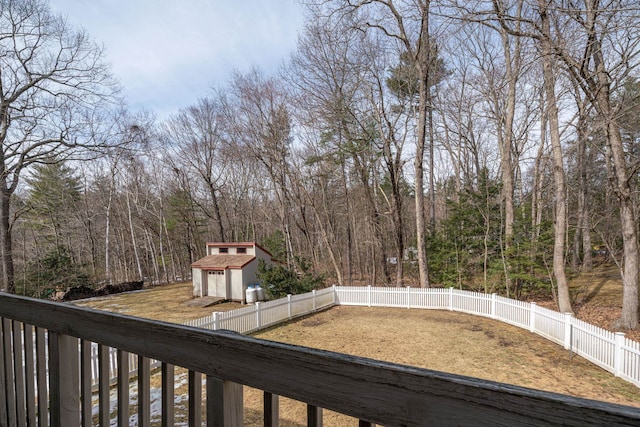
pixel 168 53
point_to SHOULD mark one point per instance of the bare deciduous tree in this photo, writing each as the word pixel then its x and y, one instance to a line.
pixel 52 82
pixel 195 136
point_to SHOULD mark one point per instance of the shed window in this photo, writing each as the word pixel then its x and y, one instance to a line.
pixel 242 250
pixel 224 250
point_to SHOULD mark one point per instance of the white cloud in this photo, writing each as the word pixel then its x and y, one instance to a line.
pixel 169 53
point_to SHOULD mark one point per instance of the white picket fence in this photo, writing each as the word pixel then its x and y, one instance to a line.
pixel 244 320
pixel 611 351
pixel 264 314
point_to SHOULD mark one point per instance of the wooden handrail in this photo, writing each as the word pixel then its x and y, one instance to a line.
pixel 372 391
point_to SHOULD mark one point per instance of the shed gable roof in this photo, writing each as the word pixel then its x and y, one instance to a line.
pixel 222 261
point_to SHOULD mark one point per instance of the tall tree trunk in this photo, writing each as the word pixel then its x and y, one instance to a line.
pixel 423 63
pixel 432 176
pixel 8 279
pixel 582 240
pixel 349 242
pixel 536 191
pixel 628 221
pixel 505 139
pixel 560 220
pixel 134 242
pixel 601 91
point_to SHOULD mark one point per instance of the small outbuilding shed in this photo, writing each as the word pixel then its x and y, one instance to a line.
pixel 228 269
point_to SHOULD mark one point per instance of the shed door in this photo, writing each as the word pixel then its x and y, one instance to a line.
pixel 216 286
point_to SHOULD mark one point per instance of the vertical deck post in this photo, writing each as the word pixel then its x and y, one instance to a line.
pixel 64 381
pixel 224 403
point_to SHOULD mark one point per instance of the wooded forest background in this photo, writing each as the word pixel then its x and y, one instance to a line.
pixel 483 145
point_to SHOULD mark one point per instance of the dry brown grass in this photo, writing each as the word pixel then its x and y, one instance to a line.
pixel 167 302
pixel 451 342
pixel 439 340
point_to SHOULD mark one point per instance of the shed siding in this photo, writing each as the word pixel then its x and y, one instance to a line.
pixel 237 290
pixel 196 275
pixel 238 273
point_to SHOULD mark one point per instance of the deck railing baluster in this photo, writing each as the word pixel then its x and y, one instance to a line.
pixel 29 374
pixel 123 388
pixel 271 410
pixel 314 416
pixel 85 382
pixel 18 371
pixel 195 399
pixel 10 391
pixel 41 376
pixel 144 392
pixel 4 416
pixel 168 381
pixel 104 402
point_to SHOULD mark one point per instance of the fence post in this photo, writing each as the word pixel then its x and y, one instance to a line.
pixel 335 295
pixel 369 295
pixel 258 320
pixel 450 299
pixel 618 354
pixel 493 305
pixel 532 317
pixel 568 329
pixel 289 305
pixel 313 295
pixel 408 296
pixel 216 319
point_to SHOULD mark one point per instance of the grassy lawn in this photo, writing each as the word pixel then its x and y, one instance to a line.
pixel 167 302
pixel 440 340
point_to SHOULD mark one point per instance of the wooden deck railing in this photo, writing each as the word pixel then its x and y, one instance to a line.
pixel 47 381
